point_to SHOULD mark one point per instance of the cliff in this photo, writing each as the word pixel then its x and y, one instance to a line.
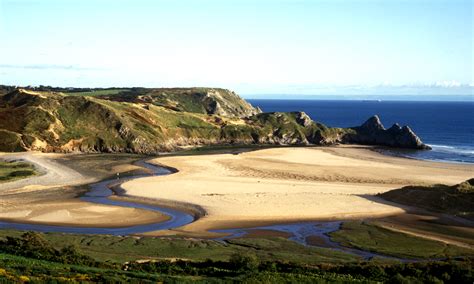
pixel 149 121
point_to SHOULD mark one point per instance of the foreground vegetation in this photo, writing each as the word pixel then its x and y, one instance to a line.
pixel 129 248
pixel 455 200
pixel 13 170
pixel 31 257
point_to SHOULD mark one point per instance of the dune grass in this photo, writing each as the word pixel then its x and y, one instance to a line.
pixel 10 171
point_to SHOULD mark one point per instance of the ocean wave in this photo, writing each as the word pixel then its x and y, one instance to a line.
pixel 442 146
pixel 453 149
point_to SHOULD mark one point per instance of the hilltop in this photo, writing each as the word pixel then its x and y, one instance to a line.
pixel 140 120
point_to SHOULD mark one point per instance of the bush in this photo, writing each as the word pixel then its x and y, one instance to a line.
pixel 34 245
pixel 244 262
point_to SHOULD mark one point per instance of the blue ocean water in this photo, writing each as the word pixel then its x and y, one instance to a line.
pixel 448 127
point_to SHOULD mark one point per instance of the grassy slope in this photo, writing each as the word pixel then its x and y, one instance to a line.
pixel 93 93
pixel 121 249
pixel 369 237
pixel 15 170
pixel 456 200
pixel 55 122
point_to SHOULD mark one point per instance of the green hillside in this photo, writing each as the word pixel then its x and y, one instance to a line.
pixel 455 200
pixel 144 121
pixel 148 121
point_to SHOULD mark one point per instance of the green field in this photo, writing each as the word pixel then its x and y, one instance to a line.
pixel 40 258
pixel 105 92
pixel 366 236
pixel 128 248
pixel 10 171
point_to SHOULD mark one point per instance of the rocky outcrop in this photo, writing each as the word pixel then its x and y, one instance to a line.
pixel 227 103
pixel 372 132
pixel 303 119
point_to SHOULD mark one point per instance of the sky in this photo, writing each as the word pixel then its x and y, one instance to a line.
pixel 250 46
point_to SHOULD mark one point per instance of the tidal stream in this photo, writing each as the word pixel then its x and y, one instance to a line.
pixel 99 193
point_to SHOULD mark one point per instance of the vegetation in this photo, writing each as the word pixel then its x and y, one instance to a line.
pixel 13 170
pixel 32 258
pixel 456 200
pixel 145 121
pixel 95 92
pixel 127 248
pixel 368 237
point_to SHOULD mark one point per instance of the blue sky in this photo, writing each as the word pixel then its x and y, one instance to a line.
pixel 253 47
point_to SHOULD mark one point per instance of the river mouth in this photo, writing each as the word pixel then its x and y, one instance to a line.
pixel 99 193
pixel 304 233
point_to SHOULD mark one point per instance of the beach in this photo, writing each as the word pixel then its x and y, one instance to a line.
pixel 52 198
pixel 288 184
pixel 225 190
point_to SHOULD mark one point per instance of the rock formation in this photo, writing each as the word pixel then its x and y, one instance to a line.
pixel 372 132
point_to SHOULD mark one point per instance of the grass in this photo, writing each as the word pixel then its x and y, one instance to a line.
pixel 369 237
pixel 10 171
pixel 456 200
pixel 143 121
pixel 94 93
pixel 22 269
pixel 361 235
pixel 32 258
pixel 128 248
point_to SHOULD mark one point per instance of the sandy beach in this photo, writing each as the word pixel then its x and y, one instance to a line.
pixel 234 190
pixel 52 197
pixel 288 184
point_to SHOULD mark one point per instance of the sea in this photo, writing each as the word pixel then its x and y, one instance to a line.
pixel 448 127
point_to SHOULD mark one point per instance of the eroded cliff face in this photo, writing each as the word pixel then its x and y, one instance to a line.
pixel 150 121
